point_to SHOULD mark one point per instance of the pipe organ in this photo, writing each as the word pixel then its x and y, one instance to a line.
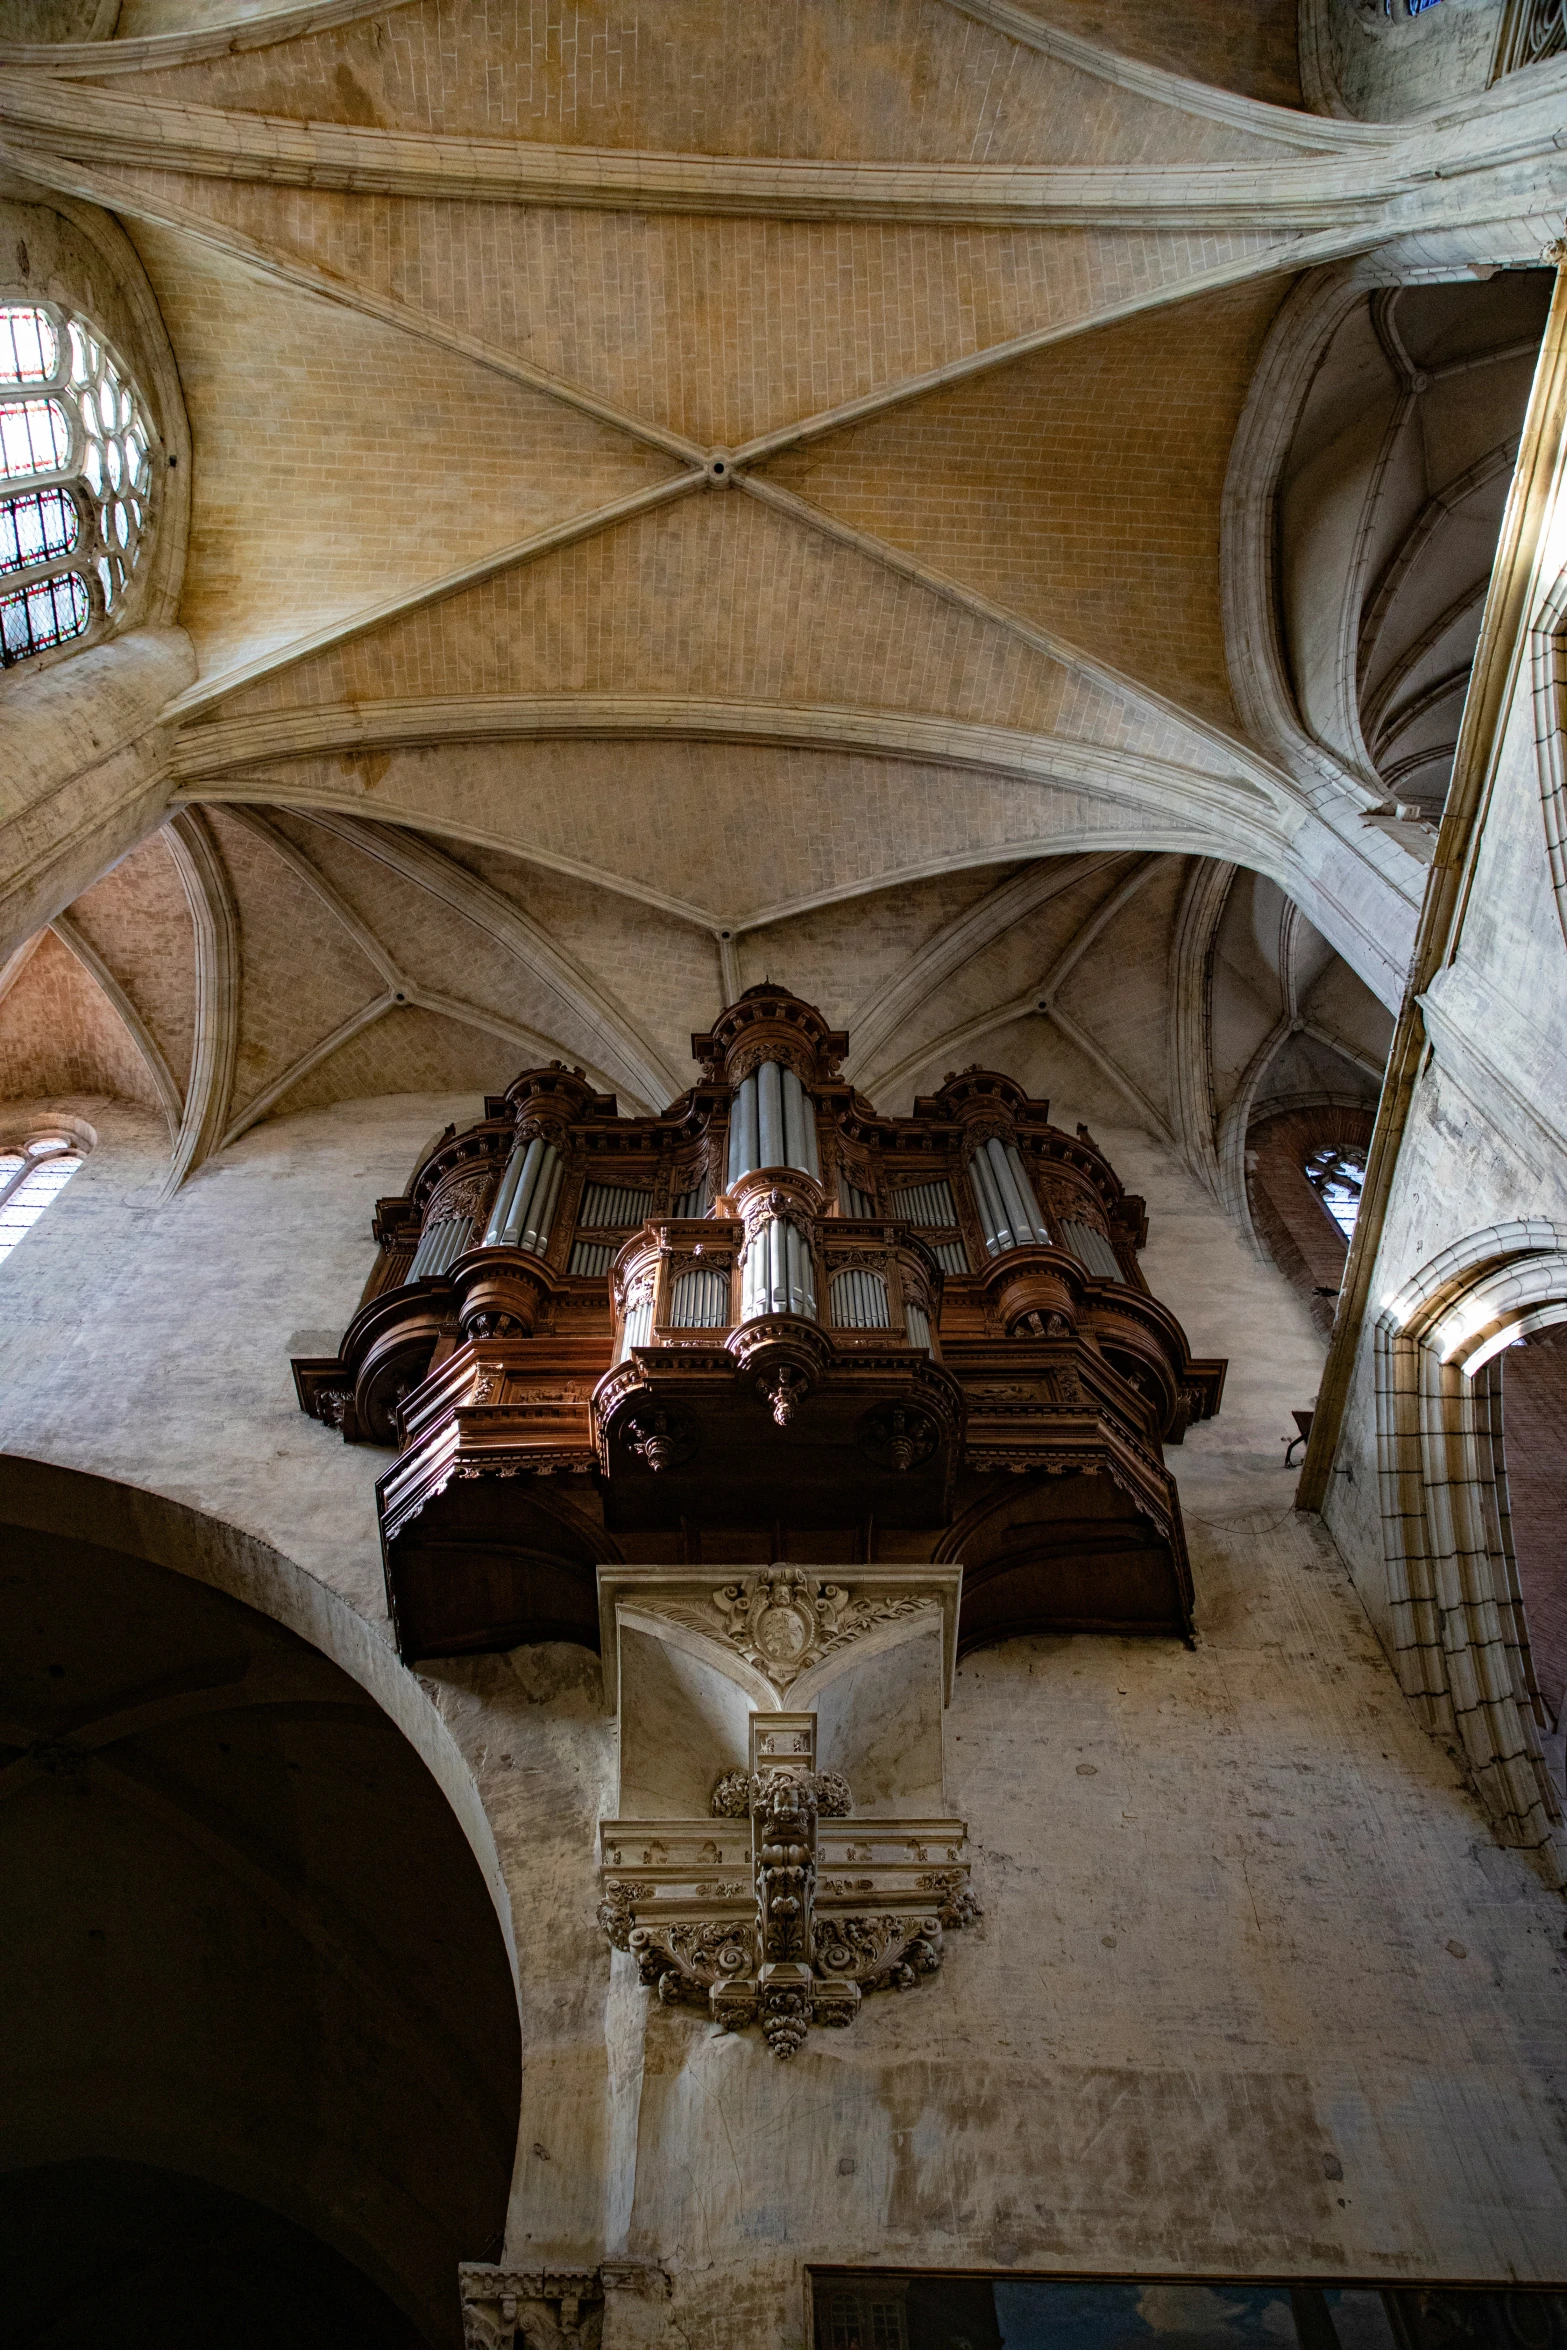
pixel 770 1323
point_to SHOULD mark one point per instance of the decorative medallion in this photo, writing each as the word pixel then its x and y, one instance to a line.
pixel 661 1440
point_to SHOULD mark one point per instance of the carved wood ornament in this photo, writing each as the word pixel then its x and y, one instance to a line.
pixel 973 1370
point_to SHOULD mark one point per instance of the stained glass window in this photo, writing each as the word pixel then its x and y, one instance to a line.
pixel 30 1177
pixel 47 613
pixel 34 528
pixel 34 438
pixel 73 430
pixel 29 345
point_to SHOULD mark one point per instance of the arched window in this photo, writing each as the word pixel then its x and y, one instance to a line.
pixel 1304 1170
pixel 31 1175
pixel 75 480
pixel 1336 1174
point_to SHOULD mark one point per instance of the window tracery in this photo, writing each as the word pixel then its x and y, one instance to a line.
pixel 1336 1174
pixel 1532 30
pixel 75 480
pixel 32 1175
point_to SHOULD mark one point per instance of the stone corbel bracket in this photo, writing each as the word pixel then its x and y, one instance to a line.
pixel 780 1906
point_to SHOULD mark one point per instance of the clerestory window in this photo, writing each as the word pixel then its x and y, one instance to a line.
pixel 75 480
pixel 1336 1174
pixel 32 1175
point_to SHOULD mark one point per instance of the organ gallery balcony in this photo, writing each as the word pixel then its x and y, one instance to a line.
pixel 770 1324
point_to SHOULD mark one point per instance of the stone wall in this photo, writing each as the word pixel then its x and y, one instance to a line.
pixel 1534 1414
pixel 1244 1929
pixel 1483 1145
pixel 1384 64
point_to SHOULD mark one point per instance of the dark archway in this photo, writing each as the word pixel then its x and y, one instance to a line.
pixel 248 1946
pixel 148 2260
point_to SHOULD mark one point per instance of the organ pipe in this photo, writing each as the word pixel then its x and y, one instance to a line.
pixel 639 1326
pixel 699 1300
pixel 523 1162
pixel 799 1127
pixel 772 1124
pixel 992 1221
pixel 1016 1188
pixel 525 1204
pixel 770 1117
pixel 778 1276
pixel 440 1245
pixel 540 1213
pixel 859 1301
pixel 1008 1211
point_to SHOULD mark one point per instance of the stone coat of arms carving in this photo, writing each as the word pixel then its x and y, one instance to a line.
pixel 783 1620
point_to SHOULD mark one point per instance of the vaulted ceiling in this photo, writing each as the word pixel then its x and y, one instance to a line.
pixel 871 493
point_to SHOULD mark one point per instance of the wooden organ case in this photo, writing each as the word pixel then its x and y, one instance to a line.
pixel 770 1323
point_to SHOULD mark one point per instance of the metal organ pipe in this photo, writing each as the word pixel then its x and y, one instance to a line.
pixel 440 1245
pixel 992 1217
pixel 859 1301
pixel 524 1159
pixel 770 1118
pixel 778 1276
pixel 772 1123
pixel 525 1205
pixel 699 1300
pixel 1008 1210
pixel 639 1325
pixel 1013 1208
pixel 1016 1189
pixel 743 1130
pixel 800 1127
pixel 541 1214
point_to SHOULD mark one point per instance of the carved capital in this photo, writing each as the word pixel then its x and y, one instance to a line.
pixel 737 1791
pixel 544 2309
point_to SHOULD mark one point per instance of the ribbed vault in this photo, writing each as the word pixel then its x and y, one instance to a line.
pixel 713 493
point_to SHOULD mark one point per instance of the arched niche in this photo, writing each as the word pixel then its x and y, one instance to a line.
pixel 251 1949
pixel 1458 1606
pixel 1288 1214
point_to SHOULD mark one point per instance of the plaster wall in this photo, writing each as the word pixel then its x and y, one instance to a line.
pixel 1244 1928
pixel 56 20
